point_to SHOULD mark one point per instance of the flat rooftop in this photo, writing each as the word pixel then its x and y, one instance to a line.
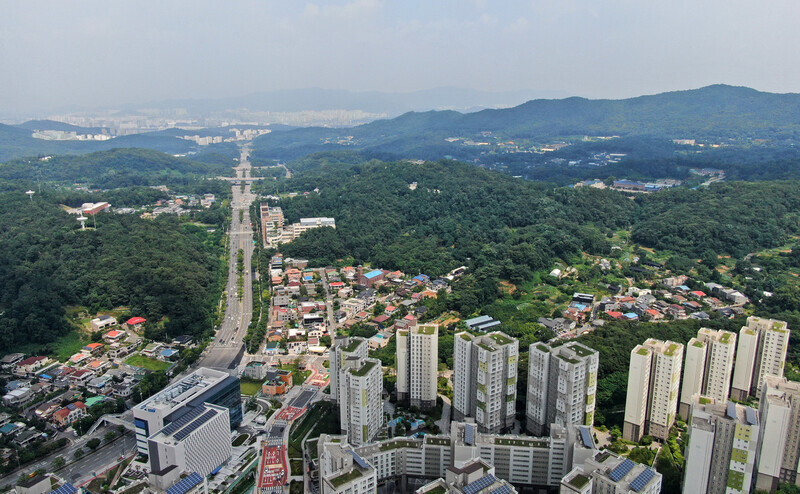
pixel 184 390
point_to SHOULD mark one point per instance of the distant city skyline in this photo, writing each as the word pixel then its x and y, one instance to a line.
pixel 97 55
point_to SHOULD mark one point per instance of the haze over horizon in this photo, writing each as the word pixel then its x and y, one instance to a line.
pixel 94 54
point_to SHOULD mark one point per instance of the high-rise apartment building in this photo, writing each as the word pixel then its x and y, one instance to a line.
pixel 779 444
pixel 178 399
pixel 360 401
pixel 708 367
pixel 485 379
pixel 417 361
pixel 344 348
pixel 562 384
pixel 761 352
pixel 653 383
pixel 722 449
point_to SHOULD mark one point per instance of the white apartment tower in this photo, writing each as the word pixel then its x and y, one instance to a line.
pixel 485 379
pixel 360 402
pixel 779 445
pixel 722 450
pixel 708 367
pixel 653 383
pixel 344 348
pixel 562 384
pixel 761 352
pixel 417 362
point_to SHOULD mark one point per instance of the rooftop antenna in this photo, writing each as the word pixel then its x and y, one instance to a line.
pixel 82 219
pixel 30 194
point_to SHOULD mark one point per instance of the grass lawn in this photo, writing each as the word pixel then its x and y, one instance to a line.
pixel 250 387
pixel 62 348
pixel 298 376
pixel 147 363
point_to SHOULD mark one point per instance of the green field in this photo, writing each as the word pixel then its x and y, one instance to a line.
pixel 147 363
pixel 61 349
pixel 250 387
pixel 298 376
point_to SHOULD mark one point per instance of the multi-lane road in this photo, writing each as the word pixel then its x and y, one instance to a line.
pixel 227 348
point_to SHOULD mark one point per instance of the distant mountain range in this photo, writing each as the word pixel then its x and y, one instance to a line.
pixel 713 112
pixel 377 102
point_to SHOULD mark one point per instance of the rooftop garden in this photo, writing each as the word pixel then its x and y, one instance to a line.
pixel 698 344
pixel 500 338
pixel 579 481
pixel 351 347
pixel 465 336
pixel 368 365
pixel 542 348
pixel 345 478
pixel 581 350
pixel 428 329
pixel 643 351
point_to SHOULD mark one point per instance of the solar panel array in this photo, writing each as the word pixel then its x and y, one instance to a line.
pixel 480 484
pixel 65 489
pixel 184 485
pixel 586 437
pixel 185 419
pixel 642 479
pixel 752 416
pixel 503 489
pixel 731 412
pixel 469 435
pixel 621 470
pixel 181 435
pixel 359 460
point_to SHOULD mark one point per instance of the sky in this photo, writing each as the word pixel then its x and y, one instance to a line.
pixel 85 53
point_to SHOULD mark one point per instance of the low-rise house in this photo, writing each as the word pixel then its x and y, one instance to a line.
pixel 18 397
pixel 26 437
pixel 79 357
pixel 122 390
pixel 136 324
pixel 70 414
pixel 152 350
pixel 653 315
pixel 30 365
pixel 379 340
pixel 81 376
pixel 278 382
pixel 102 322
pixel 99 385
pixel 114 335
pixel 10 360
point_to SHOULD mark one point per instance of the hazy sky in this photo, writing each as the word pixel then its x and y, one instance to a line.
pixel 96 53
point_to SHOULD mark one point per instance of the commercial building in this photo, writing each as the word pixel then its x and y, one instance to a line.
pixel 761 352
pixel 708 367
pixel 539 462
pixel 178 399
pixel 475 476
pixel 608 473
pixel 271 224
pixel 485 379
pixel 722 448
pixel 653 382
pixel 417 362
pixel 779 442
pixel 200 441
pixel 562 384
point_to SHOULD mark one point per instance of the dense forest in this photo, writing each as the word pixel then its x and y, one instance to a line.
pixel 167 271
pixel 506 228
pixel 115 168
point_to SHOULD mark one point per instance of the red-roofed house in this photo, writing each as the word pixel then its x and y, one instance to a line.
pixel 29 365
pixel 654 315
pixel 135 323
pixel 114 335
pixel 81 376
pixel 697 294
pixel 336 285
pixel 390 309
pixel 70 413
pixel 93 348
pixel 614 314
pixel 96 365
pixel 79 357
pixel 381 319
pixel 362 315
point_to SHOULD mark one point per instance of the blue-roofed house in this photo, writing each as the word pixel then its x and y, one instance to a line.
pixel 631 316
pixel 421 279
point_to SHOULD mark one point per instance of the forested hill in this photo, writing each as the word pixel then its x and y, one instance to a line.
pixel 164 270
pixel 506 228
pixel 718 112
pixel 114 168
